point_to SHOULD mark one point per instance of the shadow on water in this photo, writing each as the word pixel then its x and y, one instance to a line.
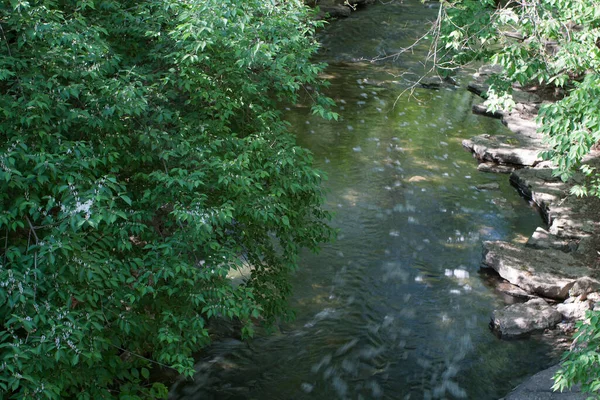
pixel 395 308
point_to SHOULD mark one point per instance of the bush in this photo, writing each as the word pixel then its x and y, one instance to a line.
pixel 582 363
pixel 142 157
pixel 551 44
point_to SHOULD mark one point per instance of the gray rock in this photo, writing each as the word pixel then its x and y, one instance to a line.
pixel 479 85
pixel 583 286
pixel 539 387
pixel 540 186
pixel 339 8
pixel 495 168
pixel 571 218
pixel 521 122
pixel 335 11
pixel 547 273
pixel 518 320
pixel 542 239
pixel 512 290
pixel 436 82
pixel 360 2
pixel 478 88
pixel 575 310
pixel 489 69
pixel 594 297
pixel 480 109
pixel 502 149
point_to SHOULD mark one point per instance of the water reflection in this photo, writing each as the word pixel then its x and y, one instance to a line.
pixel 396 308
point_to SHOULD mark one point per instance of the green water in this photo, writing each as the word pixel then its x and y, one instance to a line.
pixel 396 308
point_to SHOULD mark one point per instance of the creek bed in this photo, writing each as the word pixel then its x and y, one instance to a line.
pixel 396 308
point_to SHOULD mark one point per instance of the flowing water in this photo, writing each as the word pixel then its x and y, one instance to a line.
pixel 396 308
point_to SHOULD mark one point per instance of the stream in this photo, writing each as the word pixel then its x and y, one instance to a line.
pixel 397 307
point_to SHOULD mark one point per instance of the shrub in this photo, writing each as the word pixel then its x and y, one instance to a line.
pixel 142 157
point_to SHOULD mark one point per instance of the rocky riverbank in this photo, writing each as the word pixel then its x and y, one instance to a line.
pixel 559 265
pixel 331 9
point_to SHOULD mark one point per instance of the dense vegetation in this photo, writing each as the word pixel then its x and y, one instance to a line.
pixel 554 45
pixel 142 158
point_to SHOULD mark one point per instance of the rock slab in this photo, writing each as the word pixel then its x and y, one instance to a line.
pixel 501 149
pixel 548 273
pixel 521 319
pixel 542 239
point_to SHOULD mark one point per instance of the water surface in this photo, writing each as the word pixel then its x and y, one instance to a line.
pixel 396 308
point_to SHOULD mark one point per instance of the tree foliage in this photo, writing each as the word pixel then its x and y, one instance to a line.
pixel 553 44
pixel 142 157
pixel 581 365
pixel 548 43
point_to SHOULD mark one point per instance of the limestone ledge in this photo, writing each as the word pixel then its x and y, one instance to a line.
pixel 560 262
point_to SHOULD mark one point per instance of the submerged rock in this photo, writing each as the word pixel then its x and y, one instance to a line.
pixel 488 186
pixel 548 273
pixel 518 320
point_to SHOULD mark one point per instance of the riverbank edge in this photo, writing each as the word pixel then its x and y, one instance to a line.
pixel 334 9
pixel 559 264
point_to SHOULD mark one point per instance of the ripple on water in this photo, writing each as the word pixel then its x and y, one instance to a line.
pixel 393 309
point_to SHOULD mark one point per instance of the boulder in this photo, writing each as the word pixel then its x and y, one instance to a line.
pixel 575 310
pixel 539 387
pixel 593 297
pixel 547 273
pixel 479 85
pixel 583 286
pixel 518 320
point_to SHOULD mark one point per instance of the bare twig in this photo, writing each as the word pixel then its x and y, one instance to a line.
pixel 5 246
pixel 37 240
